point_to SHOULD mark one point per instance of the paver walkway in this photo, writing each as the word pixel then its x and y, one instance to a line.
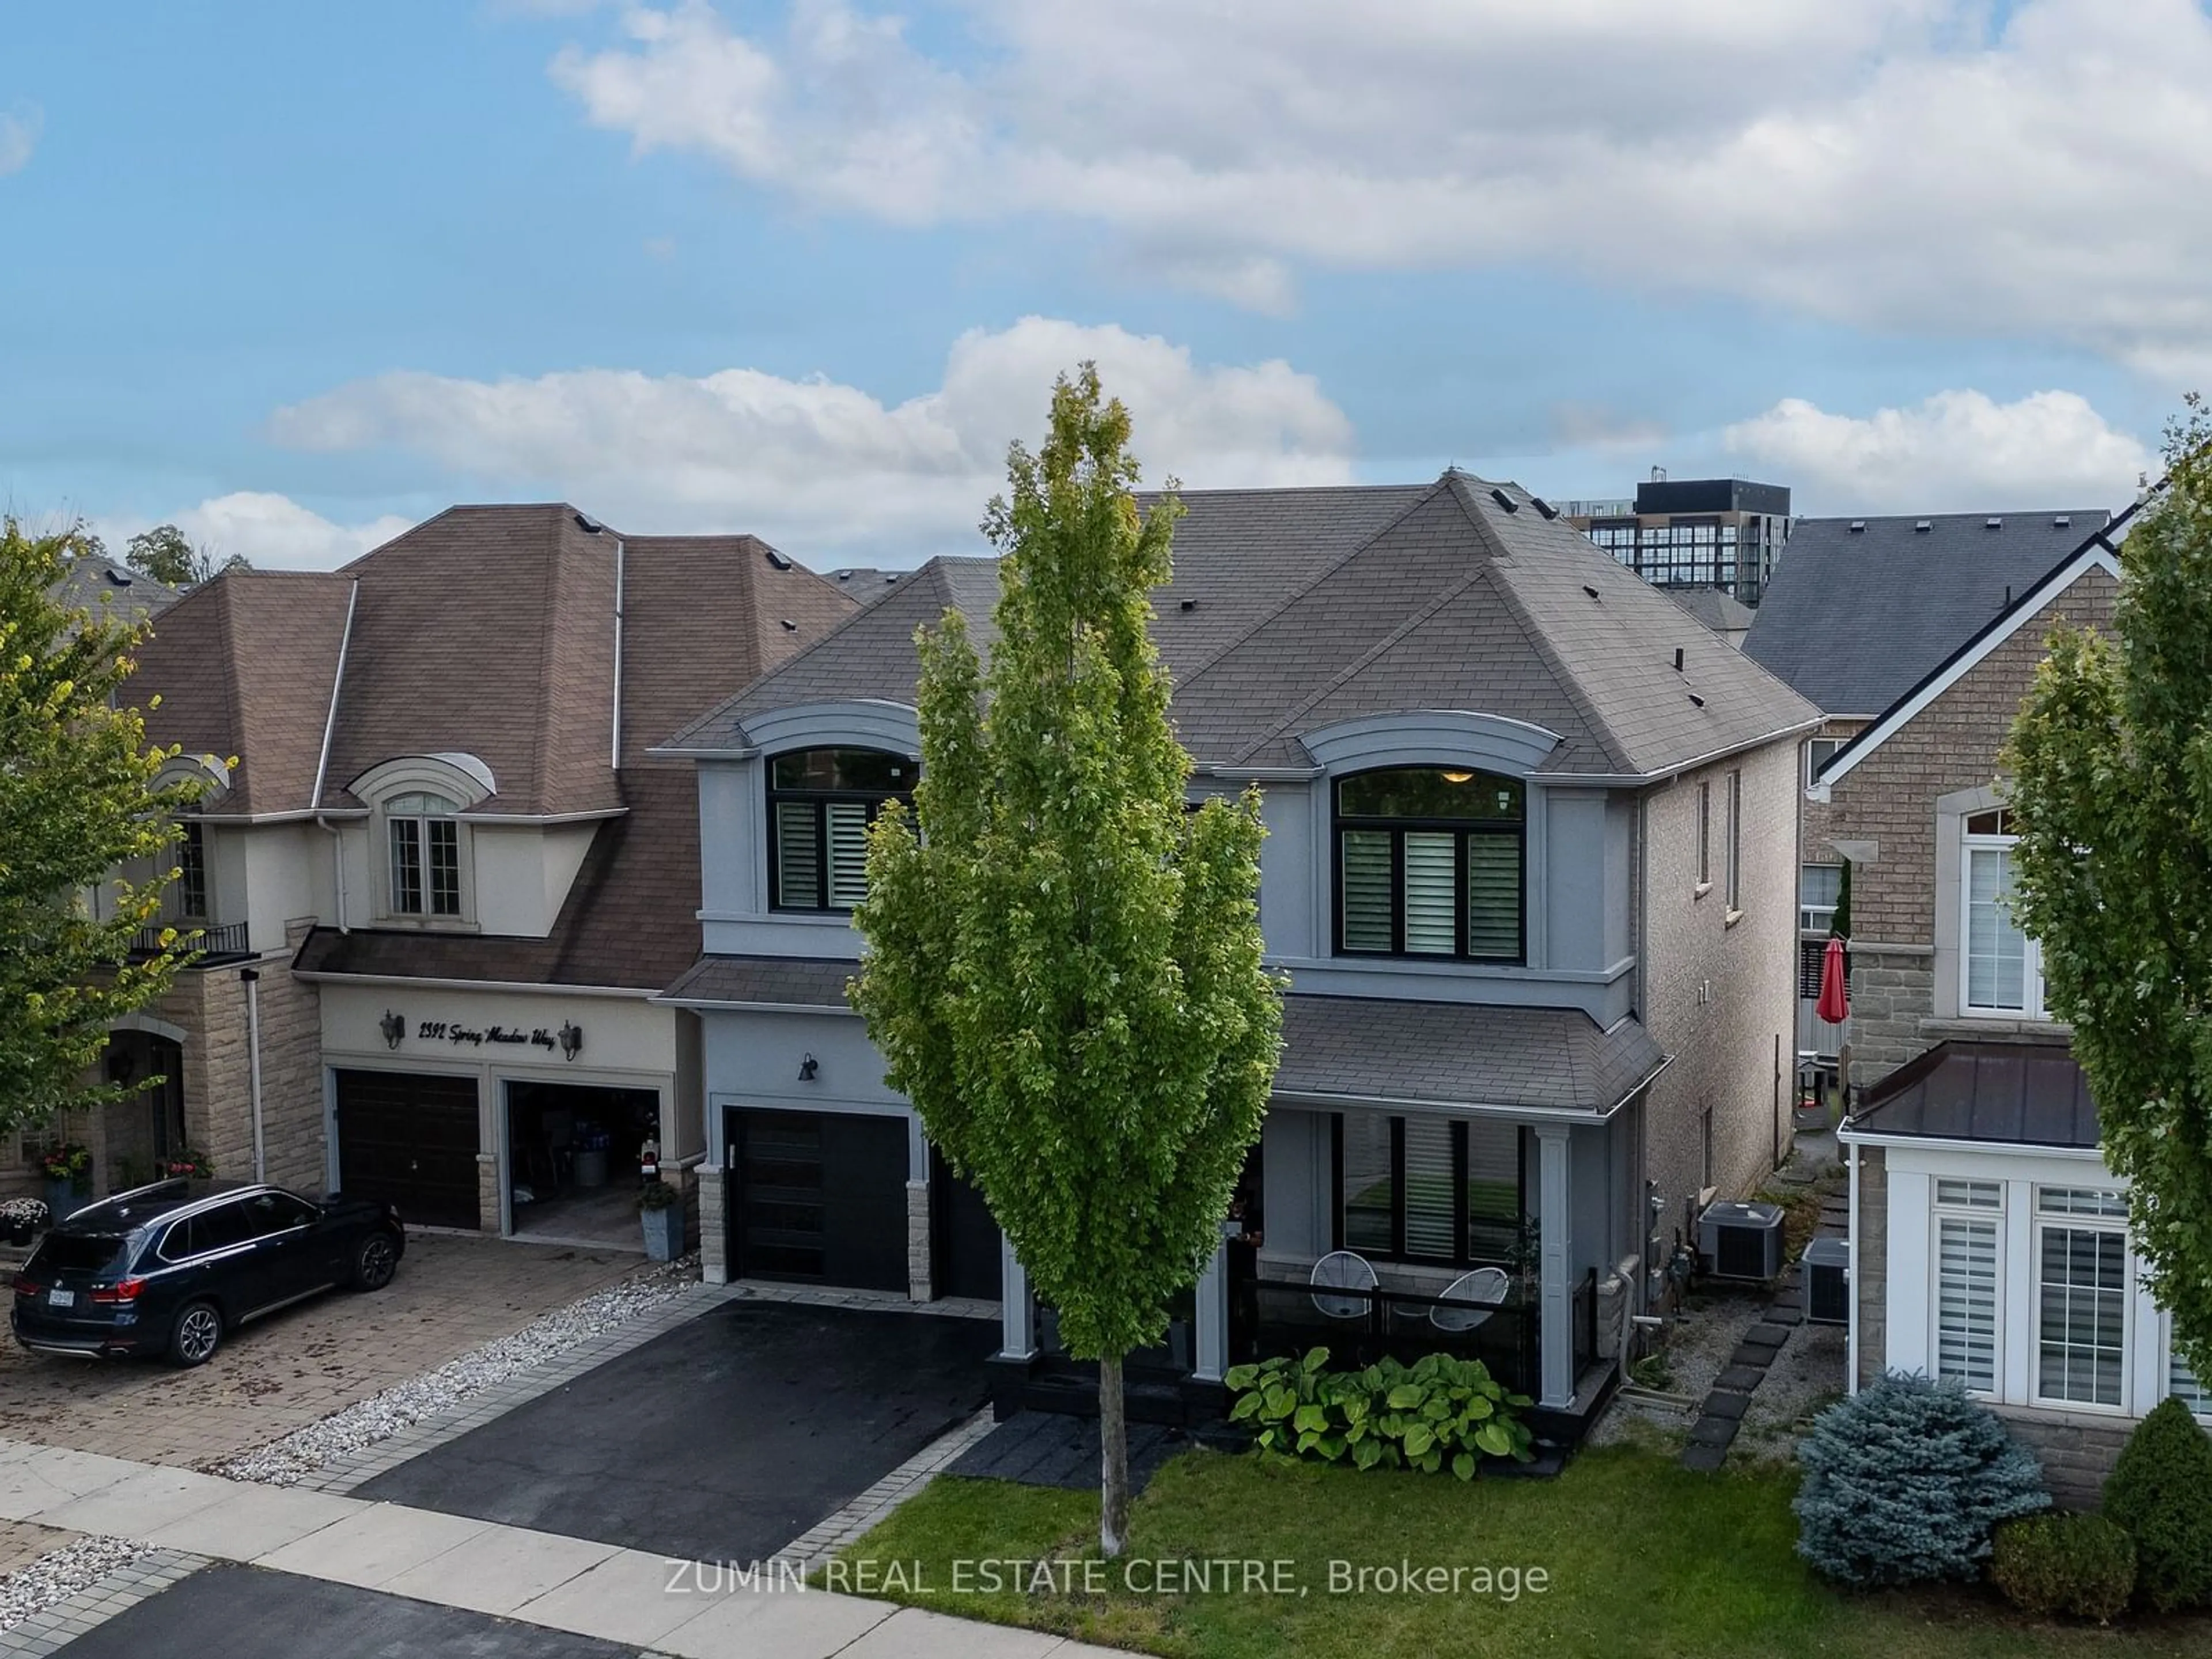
pixel 695 1610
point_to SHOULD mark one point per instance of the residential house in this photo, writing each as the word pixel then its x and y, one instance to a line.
pixel 1989 1241
pixel 1715 607
pixel 1860 612
pixel 1530 868
pixel 436 878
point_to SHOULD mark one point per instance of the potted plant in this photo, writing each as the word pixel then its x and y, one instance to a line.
pixel 660 1207
pixel 196 1166
pixel 22 1217
pixel 69 1177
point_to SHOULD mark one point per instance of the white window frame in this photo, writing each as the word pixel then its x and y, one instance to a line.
pixel 387 821
pixel 1734 851
pixel 2201 1407
pixel 2043 1222
pixel 1817 918
pixel 2032 957
pixel 1959 1210
pixel 1818 751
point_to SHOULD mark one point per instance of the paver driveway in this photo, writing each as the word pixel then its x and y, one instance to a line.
pixel 278 1374
pixel 723 1440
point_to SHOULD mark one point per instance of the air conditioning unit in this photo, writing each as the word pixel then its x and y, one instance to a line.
pixel 1828 1282
pixel 1740 1241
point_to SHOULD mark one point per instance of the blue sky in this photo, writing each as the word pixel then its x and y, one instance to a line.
pixel 294 277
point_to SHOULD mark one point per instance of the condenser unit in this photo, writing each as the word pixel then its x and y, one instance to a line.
pixel 1828 1282
pixel 1740 1241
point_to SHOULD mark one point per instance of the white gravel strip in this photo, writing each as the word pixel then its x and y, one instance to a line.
pixel 282 1462
pixel 59 1574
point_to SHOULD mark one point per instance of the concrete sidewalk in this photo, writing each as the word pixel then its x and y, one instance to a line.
pixel 535 1578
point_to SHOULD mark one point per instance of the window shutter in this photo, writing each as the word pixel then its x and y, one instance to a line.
pixel 1967 1302
pixel 849 853
pixel 1366 886
pixel 1430 1169
pixel 1431 917
pixel 798 857
pixel 1493 895
pixel 1995 950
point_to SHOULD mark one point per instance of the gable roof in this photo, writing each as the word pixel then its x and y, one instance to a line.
pixel 1851 618
pixel 2098 550
pixel 1290 609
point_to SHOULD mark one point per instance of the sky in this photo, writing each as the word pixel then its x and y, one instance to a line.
pixel 294 277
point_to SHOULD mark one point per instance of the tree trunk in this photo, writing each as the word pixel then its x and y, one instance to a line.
pixel 1113 1460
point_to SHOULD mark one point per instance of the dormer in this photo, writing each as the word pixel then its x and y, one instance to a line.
pixel 423 852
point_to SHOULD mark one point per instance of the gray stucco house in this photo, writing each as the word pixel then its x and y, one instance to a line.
pixel 1531 870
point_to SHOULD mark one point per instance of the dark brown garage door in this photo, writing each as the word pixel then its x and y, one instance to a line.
pixel 410 1141
pixel 821 1198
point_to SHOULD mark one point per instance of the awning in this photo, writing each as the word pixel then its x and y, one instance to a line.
pixel 2026 1094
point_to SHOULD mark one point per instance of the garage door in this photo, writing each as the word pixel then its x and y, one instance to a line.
pixel 820 1198
pixel 410 1141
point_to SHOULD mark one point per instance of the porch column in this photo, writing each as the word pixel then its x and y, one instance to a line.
pixel 1016 1313
pixel 1212 1333
pixel 1556 1326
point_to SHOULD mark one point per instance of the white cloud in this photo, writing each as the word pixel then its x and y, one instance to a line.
pixel 1956 452
pixel 19 137
pixel 274 532
pixel 1902 164
pixel 818 465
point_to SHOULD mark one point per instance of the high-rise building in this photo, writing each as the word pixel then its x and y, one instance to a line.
pixel 1694 532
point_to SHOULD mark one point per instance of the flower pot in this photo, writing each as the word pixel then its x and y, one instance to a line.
pixel 62 1197
pixel 664 1232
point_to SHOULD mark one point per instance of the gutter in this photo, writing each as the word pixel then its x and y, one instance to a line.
pixel 1851 1136
pixel 323 761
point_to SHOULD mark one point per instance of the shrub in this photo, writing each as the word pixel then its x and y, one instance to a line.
pixel 1438 1412
pixel 2162 1491
pixel 2079 1565
pixel 657 1195
pixel 1905 1482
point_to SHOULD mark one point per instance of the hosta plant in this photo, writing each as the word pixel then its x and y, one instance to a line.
pixel 1439 1413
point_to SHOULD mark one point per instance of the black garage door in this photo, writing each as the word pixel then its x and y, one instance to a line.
pixel 819 1197
pixel 410 1141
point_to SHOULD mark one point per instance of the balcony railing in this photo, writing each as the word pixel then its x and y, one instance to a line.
pixel 223 943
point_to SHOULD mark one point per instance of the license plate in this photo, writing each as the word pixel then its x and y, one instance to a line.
pixel 61 1298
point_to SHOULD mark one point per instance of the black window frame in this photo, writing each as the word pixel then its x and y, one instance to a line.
pixel 1462 1257
pixel 1460 829
pixel 821 800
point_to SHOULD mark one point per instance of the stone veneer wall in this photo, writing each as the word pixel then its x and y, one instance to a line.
pixel 920 1265
pixel 1892 995
pixel 1872 1288
pixel 2076 1451
pixel 714 1235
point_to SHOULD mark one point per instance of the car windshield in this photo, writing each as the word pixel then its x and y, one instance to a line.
pixel 80 1253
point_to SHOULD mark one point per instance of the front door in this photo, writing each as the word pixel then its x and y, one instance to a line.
pixel 819 1197
pixel 967 1256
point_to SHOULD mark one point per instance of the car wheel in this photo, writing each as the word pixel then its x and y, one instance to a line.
pixel 376 1258
pixel 196 1335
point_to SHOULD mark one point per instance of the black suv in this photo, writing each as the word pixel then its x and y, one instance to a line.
pixel 172 1269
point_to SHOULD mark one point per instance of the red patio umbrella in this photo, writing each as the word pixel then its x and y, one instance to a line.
pixel 1835 1004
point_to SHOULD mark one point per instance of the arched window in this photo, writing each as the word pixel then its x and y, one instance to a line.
pixel 820 803
pixel 425 855
pixel 1430 863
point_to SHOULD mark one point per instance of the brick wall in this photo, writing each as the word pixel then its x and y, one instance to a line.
pixel 210 1005
pixel 1720 995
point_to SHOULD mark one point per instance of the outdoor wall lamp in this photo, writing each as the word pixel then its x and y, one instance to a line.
pixel 393 1028
pixel 807 1068
pixel 572 1039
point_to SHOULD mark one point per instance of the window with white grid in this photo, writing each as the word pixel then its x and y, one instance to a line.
pixel 2082 1296
pixel 1969 1218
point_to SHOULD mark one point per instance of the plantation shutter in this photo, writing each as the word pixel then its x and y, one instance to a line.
pixel 1367 889
pixel 849 853
pixel 1996 951
pixel 1966 1302
pixel 1493 895
pixel 797 856
pixel 1431 1169
pixel 1431 915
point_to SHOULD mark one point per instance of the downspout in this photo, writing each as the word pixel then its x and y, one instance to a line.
pixel 614 755
pixel 322 774
pixel 252 978
pixel 1851 1283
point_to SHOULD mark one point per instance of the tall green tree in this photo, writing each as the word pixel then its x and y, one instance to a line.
pixel 1063 966
pixel 2110 767
pixel 78 802
pixel 167 554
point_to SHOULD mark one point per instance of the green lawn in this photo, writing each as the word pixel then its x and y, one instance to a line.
pixel 1641 1559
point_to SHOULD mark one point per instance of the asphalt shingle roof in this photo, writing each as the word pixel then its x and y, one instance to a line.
pixel 1309 607
pixel 794 982
pixel 1853 619
pixel 94 582
pixel 1377 1048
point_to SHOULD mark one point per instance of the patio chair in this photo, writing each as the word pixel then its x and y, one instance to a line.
pixel 1342 1271
pixel 1485 1286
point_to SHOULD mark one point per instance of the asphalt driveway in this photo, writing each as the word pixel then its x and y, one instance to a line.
pixel 722 1440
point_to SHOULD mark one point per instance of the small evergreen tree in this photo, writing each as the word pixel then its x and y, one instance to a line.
pixel 2162 1491
pixel 1906 1480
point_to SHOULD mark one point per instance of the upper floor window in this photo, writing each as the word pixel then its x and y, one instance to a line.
pixel 1735 867
pixel 1818 752
pixel 1430 863
pixel 2003 967
pixel 189 898
pixel 1819 890
pixel 425 855
pixel 820 803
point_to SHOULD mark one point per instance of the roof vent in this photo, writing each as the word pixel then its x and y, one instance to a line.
pixel 1924 526
pixel 1993 524
pixel 119 578
pixel 1544 507
pixel 1697 700
pixel 1588 589
pixel 2062 522
pixel 776 559
pixel 1678 659
pixel 589 526
pixel 1187 604
pixel 1504 501
pixel 2006 605
pixel 789 625
pixel 890 576
pixel 1858 526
